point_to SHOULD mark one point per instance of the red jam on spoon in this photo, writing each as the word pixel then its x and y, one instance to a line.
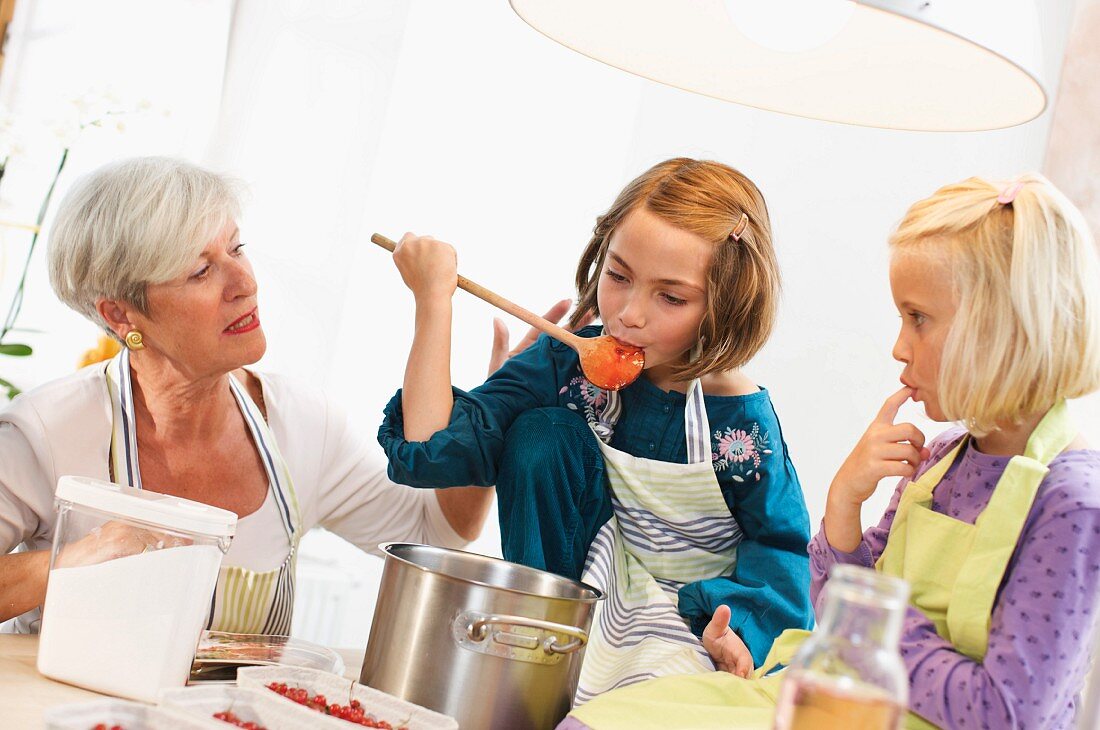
pixel 609 364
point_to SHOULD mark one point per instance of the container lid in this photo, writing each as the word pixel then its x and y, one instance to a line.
pixel 174 513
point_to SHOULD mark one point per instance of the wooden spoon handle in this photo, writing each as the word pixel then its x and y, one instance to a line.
pixel 539 323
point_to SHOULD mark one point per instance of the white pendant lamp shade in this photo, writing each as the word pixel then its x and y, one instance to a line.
pixel 935 65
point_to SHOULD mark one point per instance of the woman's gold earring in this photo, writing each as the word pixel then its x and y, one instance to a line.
pixel 134 341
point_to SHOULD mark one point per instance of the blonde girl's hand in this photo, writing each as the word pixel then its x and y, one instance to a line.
pixel 725 647
pixel 886 449
pixel 429 267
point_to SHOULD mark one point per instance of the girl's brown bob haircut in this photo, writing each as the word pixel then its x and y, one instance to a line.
pixel 708 199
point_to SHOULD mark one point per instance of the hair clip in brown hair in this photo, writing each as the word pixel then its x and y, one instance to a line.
pixel 739 229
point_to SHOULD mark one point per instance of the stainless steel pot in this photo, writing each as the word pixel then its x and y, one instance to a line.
pixel 491 643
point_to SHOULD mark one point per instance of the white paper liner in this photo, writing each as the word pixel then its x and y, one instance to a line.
pixel 339 690
pixel 130 715
pixel 261 706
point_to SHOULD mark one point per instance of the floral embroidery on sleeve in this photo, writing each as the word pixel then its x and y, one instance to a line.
pixel 739 452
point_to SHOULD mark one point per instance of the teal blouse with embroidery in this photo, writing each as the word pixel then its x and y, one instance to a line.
pixel 768 590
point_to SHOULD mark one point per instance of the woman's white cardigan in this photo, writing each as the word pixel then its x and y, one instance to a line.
pixel 64 427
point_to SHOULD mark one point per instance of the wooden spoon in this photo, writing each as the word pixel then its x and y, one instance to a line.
pixel 606 362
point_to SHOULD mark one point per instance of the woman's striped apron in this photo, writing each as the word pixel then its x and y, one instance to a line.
pixel 244 601
pixel 670 526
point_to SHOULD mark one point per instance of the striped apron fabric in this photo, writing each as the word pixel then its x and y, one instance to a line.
pixel 244 601
pixel 670 526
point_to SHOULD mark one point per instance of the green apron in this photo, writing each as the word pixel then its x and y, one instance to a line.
pixel 954 570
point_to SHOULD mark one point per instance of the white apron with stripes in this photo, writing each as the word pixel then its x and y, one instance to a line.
pixel 244 601
pixel 670 526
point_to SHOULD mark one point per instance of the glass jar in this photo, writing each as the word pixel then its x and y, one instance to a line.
pixel 849 673
pixel 131 578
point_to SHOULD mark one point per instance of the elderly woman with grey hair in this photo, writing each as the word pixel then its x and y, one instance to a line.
pixel 149 249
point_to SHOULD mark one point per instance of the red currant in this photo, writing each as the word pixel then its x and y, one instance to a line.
pixel 230 717
pixel 352 712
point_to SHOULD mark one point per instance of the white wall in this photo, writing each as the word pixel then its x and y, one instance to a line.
pixel 457 119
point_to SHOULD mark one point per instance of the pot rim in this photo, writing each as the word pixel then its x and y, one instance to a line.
pixel 384 547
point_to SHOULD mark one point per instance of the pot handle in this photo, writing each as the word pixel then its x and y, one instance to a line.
pixel 478 630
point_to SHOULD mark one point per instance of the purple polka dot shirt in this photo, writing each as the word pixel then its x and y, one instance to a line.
pixel 1041 628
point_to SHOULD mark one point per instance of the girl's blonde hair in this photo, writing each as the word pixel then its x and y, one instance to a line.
pixel 1026 277
pixel 708 199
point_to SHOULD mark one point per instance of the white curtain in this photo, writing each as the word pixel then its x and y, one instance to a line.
pixel 306 92
pixel 1073 153
pixel 67 61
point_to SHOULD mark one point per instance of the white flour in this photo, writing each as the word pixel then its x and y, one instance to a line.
pixel 128 627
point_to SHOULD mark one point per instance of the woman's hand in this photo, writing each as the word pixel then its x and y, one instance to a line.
pixel 886 449
pixel 429 267
pixel 22 582
pixel 501 351
pixel 725 647
pixel 467 507
pixel 115 540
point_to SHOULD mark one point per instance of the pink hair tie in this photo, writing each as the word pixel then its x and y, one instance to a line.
pixel 1009 194
pixel 739 229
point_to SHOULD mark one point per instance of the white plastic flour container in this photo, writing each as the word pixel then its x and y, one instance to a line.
pixel 132 574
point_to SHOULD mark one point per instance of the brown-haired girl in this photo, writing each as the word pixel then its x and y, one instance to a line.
pixel 675 495
pixel 995 523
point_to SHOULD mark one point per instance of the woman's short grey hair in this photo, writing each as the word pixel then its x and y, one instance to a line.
pixel 133 223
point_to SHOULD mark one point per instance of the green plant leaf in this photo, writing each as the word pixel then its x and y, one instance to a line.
pixel 16 350
pixel 12 390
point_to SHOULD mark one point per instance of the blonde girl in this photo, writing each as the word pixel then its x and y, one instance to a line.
pixel 996 522
pixel 675 495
